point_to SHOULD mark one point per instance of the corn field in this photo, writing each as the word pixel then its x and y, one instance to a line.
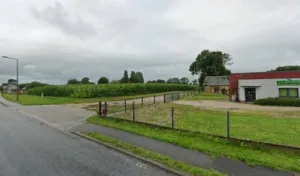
pixel 105 90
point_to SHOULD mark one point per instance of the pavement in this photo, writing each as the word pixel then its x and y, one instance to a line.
pixel 28 147
pixel 203 160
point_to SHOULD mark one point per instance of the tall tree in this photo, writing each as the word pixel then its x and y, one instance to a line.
pixel 125 78
pixel 210 63
pixel 11 81
pixel 195 82
pixel 287 68
pixel 103 80
pixel 173 81
pixel 140 77
pixel 85 80
pixel 73 81
pixel 160 81
pixel 133 77
pixel 184 80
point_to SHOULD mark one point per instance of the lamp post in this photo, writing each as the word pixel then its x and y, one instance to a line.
pixel 17 67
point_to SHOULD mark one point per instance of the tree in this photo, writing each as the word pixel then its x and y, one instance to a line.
pixel 212 63
pixel 125 78
pixel 103 80
pixel 287 68
pixel 195 82
pixel 140 77
pixel 11 81
pixel 85 80
pixel 35 84
pixel 184 80
pixel 133 77
pixel 173 81
pixel 160 81
pixel 73 81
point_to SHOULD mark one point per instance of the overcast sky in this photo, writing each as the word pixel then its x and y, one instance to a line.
pixel 59 40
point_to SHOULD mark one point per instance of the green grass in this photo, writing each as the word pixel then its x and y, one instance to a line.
pixel 277 128
pixel 26 99
pixel 253 154
pixel 207 96
pixel 171 163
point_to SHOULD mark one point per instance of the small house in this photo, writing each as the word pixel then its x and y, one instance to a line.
pixel 216 84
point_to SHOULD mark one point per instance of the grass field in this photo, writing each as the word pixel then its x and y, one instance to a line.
pixel 25 99
pixel 207 96
pixel 253 154
pixel 280 128
pixel 171 163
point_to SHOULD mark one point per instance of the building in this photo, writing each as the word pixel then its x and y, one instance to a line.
pixel 10 88
pixel 215 84
pixel 249 87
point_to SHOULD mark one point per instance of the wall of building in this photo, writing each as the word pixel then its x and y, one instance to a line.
pixel 265 88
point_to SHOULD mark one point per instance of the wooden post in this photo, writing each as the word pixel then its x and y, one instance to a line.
pixel 228 125
pixel 125 106
pixel 133 112
pixel 105 106
pixel 100 108
pixel 142 101
pixel 172 116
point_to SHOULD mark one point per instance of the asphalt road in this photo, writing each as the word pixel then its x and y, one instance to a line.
pixel 29 147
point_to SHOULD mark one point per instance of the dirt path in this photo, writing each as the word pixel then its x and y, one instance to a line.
pixel 225 105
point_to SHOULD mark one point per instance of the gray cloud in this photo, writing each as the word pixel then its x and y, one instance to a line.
pixel 57 41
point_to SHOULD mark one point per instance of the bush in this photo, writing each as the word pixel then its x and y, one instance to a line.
pixel 279 102
pixel 106 90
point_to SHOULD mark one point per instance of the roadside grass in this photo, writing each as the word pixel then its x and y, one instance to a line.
pixel 165 160
pixel 207 96
pixel 253 154
pixel 26 99
pixel 277 128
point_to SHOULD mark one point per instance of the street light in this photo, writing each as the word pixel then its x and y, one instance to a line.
pixel 17 61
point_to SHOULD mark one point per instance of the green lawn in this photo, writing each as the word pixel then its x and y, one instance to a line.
pixel 171 163
pixel 253 154
pixel 25 99
pixel 207 96
pixel 277 128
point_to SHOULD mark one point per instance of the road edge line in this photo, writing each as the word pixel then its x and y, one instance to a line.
pixel 161 166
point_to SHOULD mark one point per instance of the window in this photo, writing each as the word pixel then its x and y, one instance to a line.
pixel 288 92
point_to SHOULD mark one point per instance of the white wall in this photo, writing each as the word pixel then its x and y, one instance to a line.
pixel 265 88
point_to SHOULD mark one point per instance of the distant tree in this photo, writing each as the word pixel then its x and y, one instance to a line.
pixel 85 80
pixel 125 78
pixel 73 81
pixel 35 84
pixel 210 63
pixel 21 86
pixel 103 80
pixel 11 81
pixel 195 82
pixel 4 84
pixel 133 77
pixel 160 81
pixel 286 68
pixel 173 81
pixel 115 82
pixel 139 77
pixel 184 80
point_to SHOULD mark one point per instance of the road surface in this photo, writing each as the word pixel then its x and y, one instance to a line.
pixel 29 147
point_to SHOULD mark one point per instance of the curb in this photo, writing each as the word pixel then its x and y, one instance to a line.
pixel 161 166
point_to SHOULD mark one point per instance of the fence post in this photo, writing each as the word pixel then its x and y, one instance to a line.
pixel 105 106
pixel 154 99
pixel 228 125
pixel 164 98
pixel 172 116
pixel 142 101
pixel 172 97
pixel 133 112
pixel 100 108
pixel 125 106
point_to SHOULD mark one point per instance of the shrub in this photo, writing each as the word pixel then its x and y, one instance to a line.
pixel 279 102
pixel 106 90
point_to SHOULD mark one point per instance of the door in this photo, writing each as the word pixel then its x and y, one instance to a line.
pixel 250 94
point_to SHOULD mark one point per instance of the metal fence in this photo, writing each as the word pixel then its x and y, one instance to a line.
pixel 229 124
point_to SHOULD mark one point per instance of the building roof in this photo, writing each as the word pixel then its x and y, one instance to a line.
pixel 216 81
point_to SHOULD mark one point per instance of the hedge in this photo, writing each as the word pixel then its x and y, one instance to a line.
pixel 279 102
pixel 106 90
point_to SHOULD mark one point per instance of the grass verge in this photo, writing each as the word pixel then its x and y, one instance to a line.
pixel 26 99
pixel 273 127
pixel 207 96
pixel 167 161
pixel 255 154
